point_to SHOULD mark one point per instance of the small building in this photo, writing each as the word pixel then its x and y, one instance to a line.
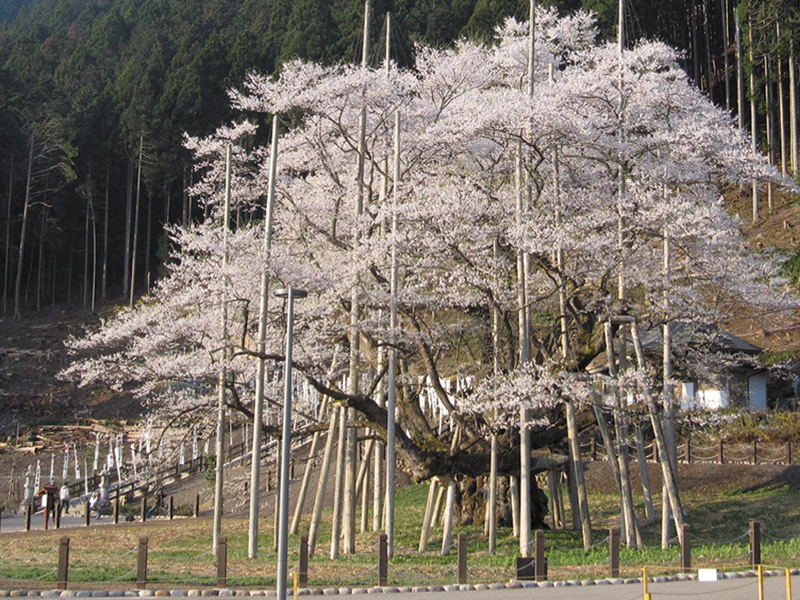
pixel 716 369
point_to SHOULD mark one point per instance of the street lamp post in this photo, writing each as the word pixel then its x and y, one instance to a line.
pixel 283 512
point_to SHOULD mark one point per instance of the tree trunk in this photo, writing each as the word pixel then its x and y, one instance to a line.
pixel 793 137
pixel 513 492
pixel 709 64
pixel 24 227
pixel 126 275
pixel 86 251
pixel 301 496
pixel 148 240
pixel 577 475
pixel 40 270
pixel 7 267
pixel 726 42
pixel 648 494
pixel 491 513
pixel 753 116
pixel 336 517
pixel 781 106
pixel 524 484
pixel 104 278
pixel 739 71
pixel 136 225
pixel 316 515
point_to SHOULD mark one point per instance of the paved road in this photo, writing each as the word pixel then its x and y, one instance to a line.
pixel 728 589
pixel 16 522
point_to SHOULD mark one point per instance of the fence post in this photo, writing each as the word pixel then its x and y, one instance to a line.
pixel 57 515
pixel 789 452
pixel 462 557
pixel 540 568
pixel 197 506
pixel 594 449
pixel 222 561
pixel 116 508
pixel 613 550
pixel 87 514
pixel 755 543
pixel 721 452
pixel 143 509
pixel 688 450
pixel 141 565
pixel 686 550
pixel 383 561
pixel 303 568
pixel 28 516
pixel 171 508
pixel 63 563
pixel 755 452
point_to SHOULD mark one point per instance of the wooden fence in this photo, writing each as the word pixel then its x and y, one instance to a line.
pixel 753 453
pixel 532 568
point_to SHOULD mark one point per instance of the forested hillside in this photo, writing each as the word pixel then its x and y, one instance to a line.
pixel 96 96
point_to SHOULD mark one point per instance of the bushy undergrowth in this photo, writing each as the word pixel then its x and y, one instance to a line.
pixel 746 426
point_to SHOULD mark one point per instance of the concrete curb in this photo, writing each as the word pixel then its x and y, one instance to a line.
pixel 346 591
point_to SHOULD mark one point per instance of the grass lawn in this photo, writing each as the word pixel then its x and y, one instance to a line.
pixel 106 556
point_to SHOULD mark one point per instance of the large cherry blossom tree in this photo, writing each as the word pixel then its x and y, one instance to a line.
pixel 594 119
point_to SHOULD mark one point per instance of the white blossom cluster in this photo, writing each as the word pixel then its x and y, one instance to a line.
pixel 468 125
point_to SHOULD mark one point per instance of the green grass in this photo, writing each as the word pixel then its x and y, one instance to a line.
pixel 179 551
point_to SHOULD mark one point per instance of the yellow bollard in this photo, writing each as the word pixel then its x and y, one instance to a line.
pixel 760 582
pixel 644 583
pixel 788 584
pixel 294 584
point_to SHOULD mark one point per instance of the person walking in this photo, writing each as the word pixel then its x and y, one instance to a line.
pixel 64 498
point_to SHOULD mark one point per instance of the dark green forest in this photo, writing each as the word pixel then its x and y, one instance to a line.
pixel 95 96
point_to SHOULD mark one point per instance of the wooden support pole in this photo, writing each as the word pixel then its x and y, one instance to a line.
pixel 28 517
pixel 755 452
pixel 116 508
pixel 87 514
pixel 755 544
pixel 686 550
pixel 171 508
pixel 540 567
pixel 462 557
pixel 63 563
pixel 613 550
pixel 687 451
pixel 222 562
pixel 302 570
pixel 57 516
pixel 383 560
pixel 428 517
pixel 721 453
pixel 141 565
pixel 197 506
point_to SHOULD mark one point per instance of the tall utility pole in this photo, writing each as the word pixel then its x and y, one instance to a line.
pixel 523 269
pixel 349 501
pixel 220 446
pixel 258 408
pixel 391 397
